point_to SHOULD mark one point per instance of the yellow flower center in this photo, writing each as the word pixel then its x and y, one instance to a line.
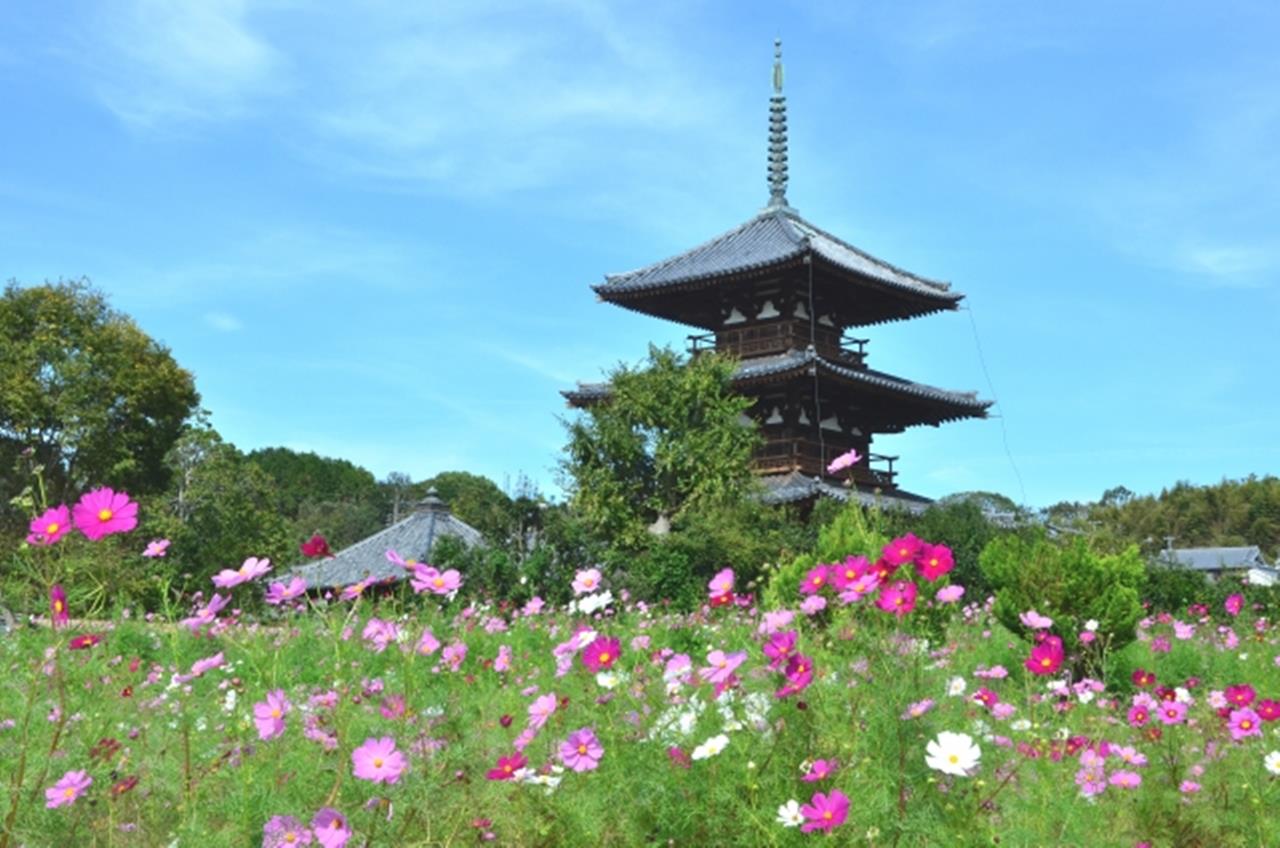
pixel 69 792
pixel 1246 724
pixel 953 759
pixel 275 713
pixel 588 582
pixel 377 762
pixel 604 657
pixel 817 581
pixel 291 837
pixel 1045 662
pixel 582 749
pixel 57 606
pixel 826 814
pixel 51 528
pixel 933 563
pixel 104 515
pixel 899 600
pixel 438 582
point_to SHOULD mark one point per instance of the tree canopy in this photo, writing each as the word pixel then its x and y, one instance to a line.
pixel 671 436
pixel 97 400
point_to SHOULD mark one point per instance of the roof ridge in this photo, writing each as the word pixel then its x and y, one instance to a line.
pixel 798 219
pixel 671 260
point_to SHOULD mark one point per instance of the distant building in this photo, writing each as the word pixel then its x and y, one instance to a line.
pixel 1217 563
pixel 413 538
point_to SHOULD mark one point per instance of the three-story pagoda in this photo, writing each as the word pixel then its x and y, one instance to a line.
pixel 782 296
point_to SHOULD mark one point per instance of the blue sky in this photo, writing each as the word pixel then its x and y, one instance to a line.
pixel 370 229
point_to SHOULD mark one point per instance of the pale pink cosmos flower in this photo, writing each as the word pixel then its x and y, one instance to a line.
pixel 917 709
pixel 251 569
pixel 285 832
pixel 859 587
pixel 1244 723
pixel 68 788
pixel 103 512
pixel 279 593
pixel 379 761
pixel 453 655
pixel 1035 621
pixel 776 620
pixel 207 613
pixel 533 606
pixel 582 750
pixel 1126 779
pixel 813 605
pixel 848 459
pixel 503 661
pixel 722 584
pixel 427 579
pixel 950 594
pixel 331 828
pixel 541 709
pixel 427 643
pixel 586 581
pixel 201 666
pixel 720 666
pixel 156 548
pixel 269 715
pixel 380 633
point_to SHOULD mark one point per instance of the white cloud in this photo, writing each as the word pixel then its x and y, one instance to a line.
pixel 223 322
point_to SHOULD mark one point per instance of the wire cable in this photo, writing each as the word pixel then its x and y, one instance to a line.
pixel 1004 432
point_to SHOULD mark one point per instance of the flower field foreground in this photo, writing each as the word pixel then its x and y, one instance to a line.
pixel 398 722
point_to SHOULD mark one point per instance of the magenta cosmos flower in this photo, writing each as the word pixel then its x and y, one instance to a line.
pixel 507 767
pixel 1046 657
pixel 902 550
pixel 819 770
pixel 1234 604
pixel 50 526
pixel 1240 695
pixel 898 598
pixel 269 715
pixel 285 831
pixel 813 582
pixel 825 812
pixel 933 561
pixel 103 512
pixel 251 569
pixel 58 605
pixel 331 828
pixel 379 761
pixel 582 750
pixel 601 654
pixel 70 787
pixel 799 674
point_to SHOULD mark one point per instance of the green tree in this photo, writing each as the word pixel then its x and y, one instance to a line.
pixel 98 400
pixel 670 437
pixel 475 499
pixel 321 494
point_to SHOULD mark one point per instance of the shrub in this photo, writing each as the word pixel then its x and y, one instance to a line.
pixel 853 530
pixel 1069 583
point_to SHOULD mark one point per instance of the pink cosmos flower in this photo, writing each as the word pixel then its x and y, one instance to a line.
pixel 285 832
pixel 820 770
pixel 582 750
pixel 52 525
pixel 861 586
pixel 379 634
pixel 799 675
pixel 720 666
pixel 775 620
pixel 331 828
pixel 1243 723
pixel 902 550
pixel 379 761
pixel 427 643
pixel 1268 709
pixel 207 613
pixel 279 593
pixel 586 581
pixel 250 570
pixel 1172 712
pixel 541 709
pixel 917 709
pixel 1046 657
pixel 84 641
pixel 848 459
pixel 933 561
pixel 427 579
pixel 814 580
pixel 843 574
pixel 985 697
pixel 103 512
pixel 780 647
pixel 898 598
pixel 206 664
pixel 68 788
pixel 825 812
pixel 507 767
pixel 1234 604
pixel 533 606
pixel 453 654
pixel 1035 621
pixel 355 590
pixel 813 605
pixel 601 654
pixel 156 548
pixel 503 661
pixel 950 594
pixel 1139 715
pixel 269 715
pixel 722 584
pixel 58 605
pixel 1240 695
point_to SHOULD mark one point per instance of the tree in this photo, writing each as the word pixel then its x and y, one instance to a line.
pixel 321 494
pixel 670 437
pixel 97 400
pixel 476 500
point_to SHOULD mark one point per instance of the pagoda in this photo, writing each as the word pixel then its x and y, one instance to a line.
pixel 782 297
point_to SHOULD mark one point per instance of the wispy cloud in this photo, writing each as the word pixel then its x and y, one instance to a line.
pixel 158 63
pixel 223 322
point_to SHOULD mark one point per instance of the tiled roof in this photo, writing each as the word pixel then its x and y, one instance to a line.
pixel 765 366
pixel 412 538
pixel 788 488
pixel 1214 559
pixel 775 237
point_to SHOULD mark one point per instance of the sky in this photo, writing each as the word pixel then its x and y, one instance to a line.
pixel 370 229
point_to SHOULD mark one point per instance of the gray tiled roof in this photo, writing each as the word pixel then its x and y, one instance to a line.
pixel 411 538
pixel 764 366
pixel 1214 559
pixel 774 237
pixel 788 488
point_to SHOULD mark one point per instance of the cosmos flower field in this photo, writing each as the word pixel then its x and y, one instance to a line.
pixel 884 707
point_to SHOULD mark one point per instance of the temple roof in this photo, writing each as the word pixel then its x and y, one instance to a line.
pixel 413 538
pixel 960 404
pixel 795 486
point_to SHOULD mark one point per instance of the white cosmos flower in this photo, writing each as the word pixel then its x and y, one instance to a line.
pixel 789 814
pixel 607 679
pixel 1091 625
pixel 1272 762
pixel 711 747
pixel 952 753
pixel 956 686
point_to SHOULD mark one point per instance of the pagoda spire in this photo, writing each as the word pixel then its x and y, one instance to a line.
pixel 777 135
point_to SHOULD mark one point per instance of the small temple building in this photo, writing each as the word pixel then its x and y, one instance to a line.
pixel 783 296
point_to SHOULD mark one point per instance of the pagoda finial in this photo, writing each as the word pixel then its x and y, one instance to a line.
pixel 777 135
